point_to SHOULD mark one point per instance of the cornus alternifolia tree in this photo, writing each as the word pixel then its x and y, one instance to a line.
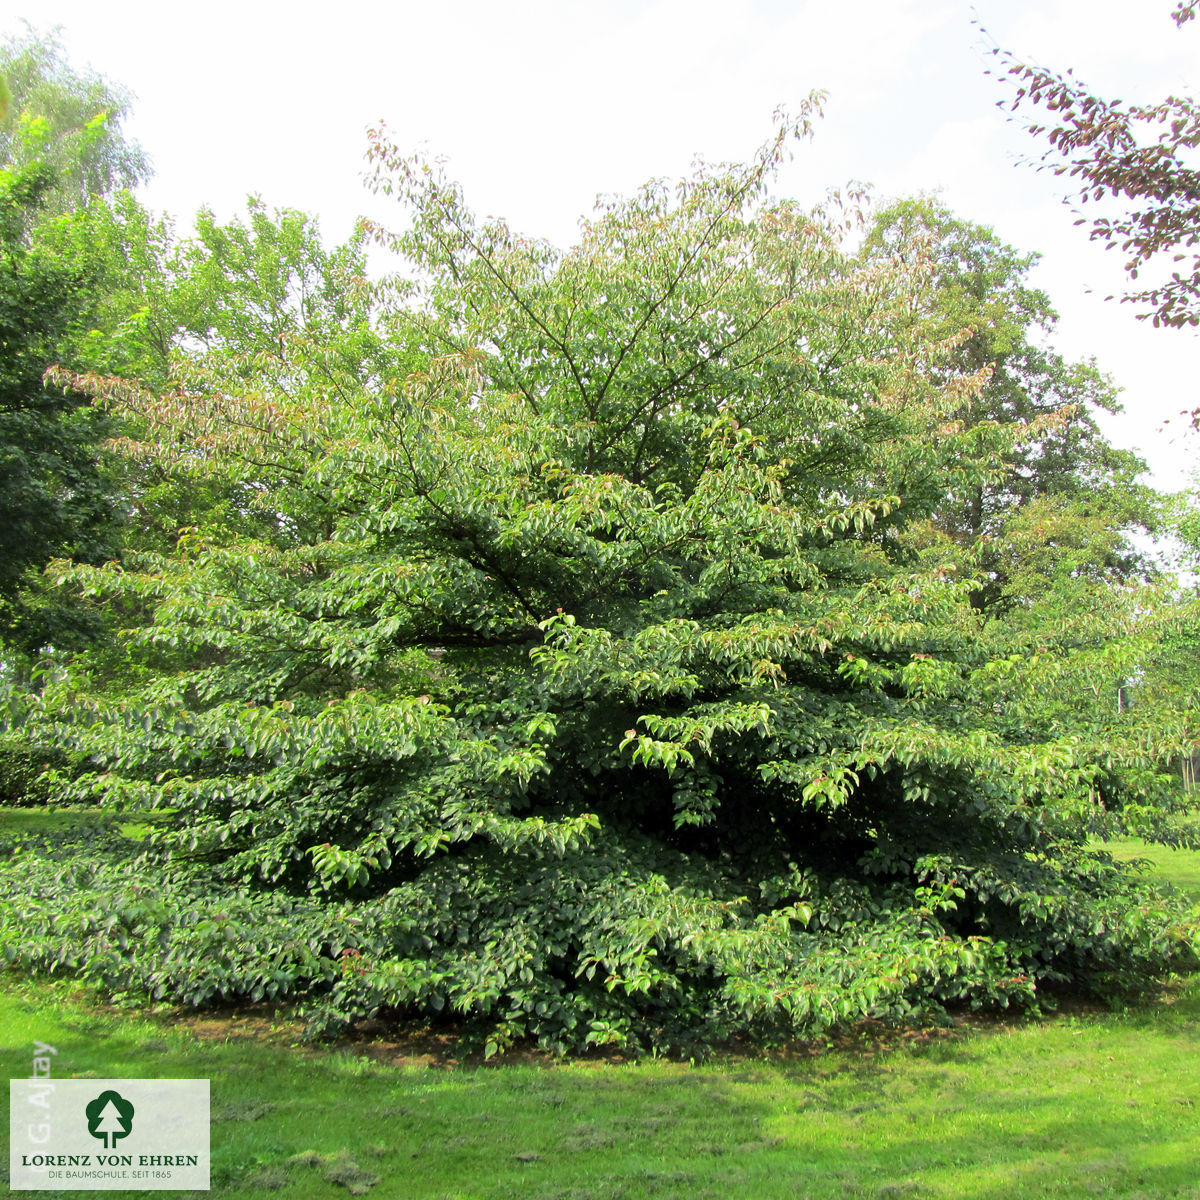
pixel 572 675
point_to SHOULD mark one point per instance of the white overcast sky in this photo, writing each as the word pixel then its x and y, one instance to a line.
pixel 540 105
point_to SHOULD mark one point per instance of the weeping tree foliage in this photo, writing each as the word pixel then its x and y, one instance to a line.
pixel 574 676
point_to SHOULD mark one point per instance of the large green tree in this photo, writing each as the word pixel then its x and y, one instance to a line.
pixel 232 301
pixel 581 681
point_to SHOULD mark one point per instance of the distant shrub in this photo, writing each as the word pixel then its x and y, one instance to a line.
pixel 22 772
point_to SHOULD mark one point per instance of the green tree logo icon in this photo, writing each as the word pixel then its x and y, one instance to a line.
pixel 109 1116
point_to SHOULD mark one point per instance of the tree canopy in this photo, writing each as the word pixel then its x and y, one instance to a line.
pixel 1061 483
pixel 570 653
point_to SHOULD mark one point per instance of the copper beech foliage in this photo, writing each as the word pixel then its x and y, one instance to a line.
pixel 1140 155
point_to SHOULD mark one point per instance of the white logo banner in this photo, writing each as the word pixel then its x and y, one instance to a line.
pixel 104 1134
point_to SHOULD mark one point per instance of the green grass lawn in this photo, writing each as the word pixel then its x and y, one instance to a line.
pixel 14 821
pixel 17 821
pixel 1082 1104
pixel 1179 867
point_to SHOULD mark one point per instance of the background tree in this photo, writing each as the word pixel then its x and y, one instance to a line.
pixel 66 120
pixel 1137 157
pixel 122 295
pixel 1175 673
pixel 248 298
pixel 61 154
pixel 1061 505
pixel 53 502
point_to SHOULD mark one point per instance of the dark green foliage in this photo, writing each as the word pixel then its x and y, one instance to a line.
pixel 62 156
pixel 21 773
pixel 53 501
pixel 565 664
pixel 626 943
